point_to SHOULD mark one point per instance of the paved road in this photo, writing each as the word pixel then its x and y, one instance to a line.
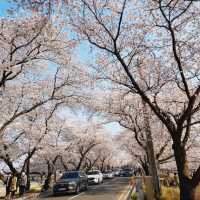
pixel 115 189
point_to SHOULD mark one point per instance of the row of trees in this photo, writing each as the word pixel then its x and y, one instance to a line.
pixel 39 83
pixel 150 49
pixel 145 52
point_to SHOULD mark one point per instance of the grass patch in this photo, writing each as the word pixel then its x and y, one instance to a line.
pixel 170 193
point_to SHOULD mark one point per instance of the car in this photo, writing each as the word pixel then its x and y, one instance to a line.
pixel 108 174
pixel 95 177
pixel 126 173
pixel 117 172
pixel 71 182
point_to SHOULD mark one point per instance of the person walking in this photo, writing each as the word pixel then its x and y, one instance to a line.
pixel 8 186
pixel 22 184
pixel 13 186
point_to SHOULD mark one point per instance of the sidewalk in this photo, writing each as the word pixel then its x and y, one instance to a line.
pixel 27 196
pixel 34 192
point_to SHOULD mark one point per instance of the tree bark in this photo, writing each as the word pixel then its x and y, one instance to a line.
pixel 48 178
pixel 145 167
pixel 151 155
pixel 102 167
pixel 187 188
pixel 28 174
pixel 80 163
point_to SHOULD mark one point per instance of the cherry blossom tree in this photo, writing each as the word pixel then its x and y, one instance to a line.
pixel 150 48
pixel 127 111
pixel 22 52
pixel 35 74
pixel 160 38
pixel 104 155
pixel 54 147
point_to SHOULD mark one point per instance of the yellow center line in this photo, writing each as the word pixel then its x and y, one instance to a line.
pixel 124 192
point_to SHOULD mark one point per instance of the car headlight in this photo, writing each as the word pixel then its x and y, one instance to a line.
pixel 72 183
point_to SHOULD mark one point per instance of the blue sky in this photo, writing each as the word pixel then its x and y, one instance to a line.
pixel 84 54
pixel 4 5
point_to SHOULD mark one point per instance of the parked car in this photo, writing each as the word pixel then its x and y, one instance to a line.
pixel 126 172
pixel 117 172
pixel 74 181
pixel 108 174
pixel 95 177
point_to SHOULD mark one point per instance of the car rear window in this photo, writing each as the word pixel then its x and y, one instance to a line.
pixel 70 175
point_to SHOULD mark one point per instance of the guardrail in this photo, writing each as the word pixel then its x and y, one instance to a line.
pixel 128 197
pixel 137 189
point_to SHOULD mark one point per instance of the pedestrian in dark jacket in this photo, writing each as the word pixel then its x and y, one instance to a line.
pixel 8 186
pixel 22 184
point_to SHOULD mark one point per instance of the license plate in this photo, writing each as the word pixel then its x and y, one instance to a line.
pixel 62 189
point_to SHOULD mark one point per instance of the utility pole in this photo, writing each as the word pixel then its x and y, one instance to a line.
pixel 151 155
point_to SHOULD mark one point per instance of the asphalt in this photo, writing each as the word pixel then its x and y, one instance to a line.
pixel 114 189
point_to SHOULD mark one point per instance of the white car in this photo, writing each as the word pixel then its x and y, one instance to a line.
pixel 95 177
pixel 108 174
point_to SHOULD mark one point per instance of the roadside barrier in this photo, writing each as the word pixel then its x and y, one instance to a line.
pixel 137 192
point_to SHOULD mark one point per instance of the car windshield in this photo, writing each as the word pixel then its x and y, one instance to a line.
pixel 69 175
pixel 92 172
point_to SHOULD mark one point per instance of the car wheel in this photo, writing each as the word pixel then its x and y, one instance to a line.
pixel 77 189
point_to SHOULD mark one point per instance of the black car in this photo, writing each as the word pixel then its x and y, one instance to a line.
pixel 74 181
pixel 126 172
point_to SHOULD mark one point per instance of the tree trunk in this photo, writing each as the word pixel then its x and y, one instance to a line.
pixel 102 168
pixel 78 167
pixel 63 163
pixel 145 167
pixel 151 155
pixel 153 169
pixel 28 174
pixel 186 187
pixel 48 178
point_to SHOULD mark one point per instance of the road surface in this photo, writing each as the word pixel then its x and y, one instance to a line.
pixel 115 189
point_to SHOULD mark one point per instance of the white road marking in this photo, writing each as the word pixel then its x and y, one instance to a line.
pixel 77 195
